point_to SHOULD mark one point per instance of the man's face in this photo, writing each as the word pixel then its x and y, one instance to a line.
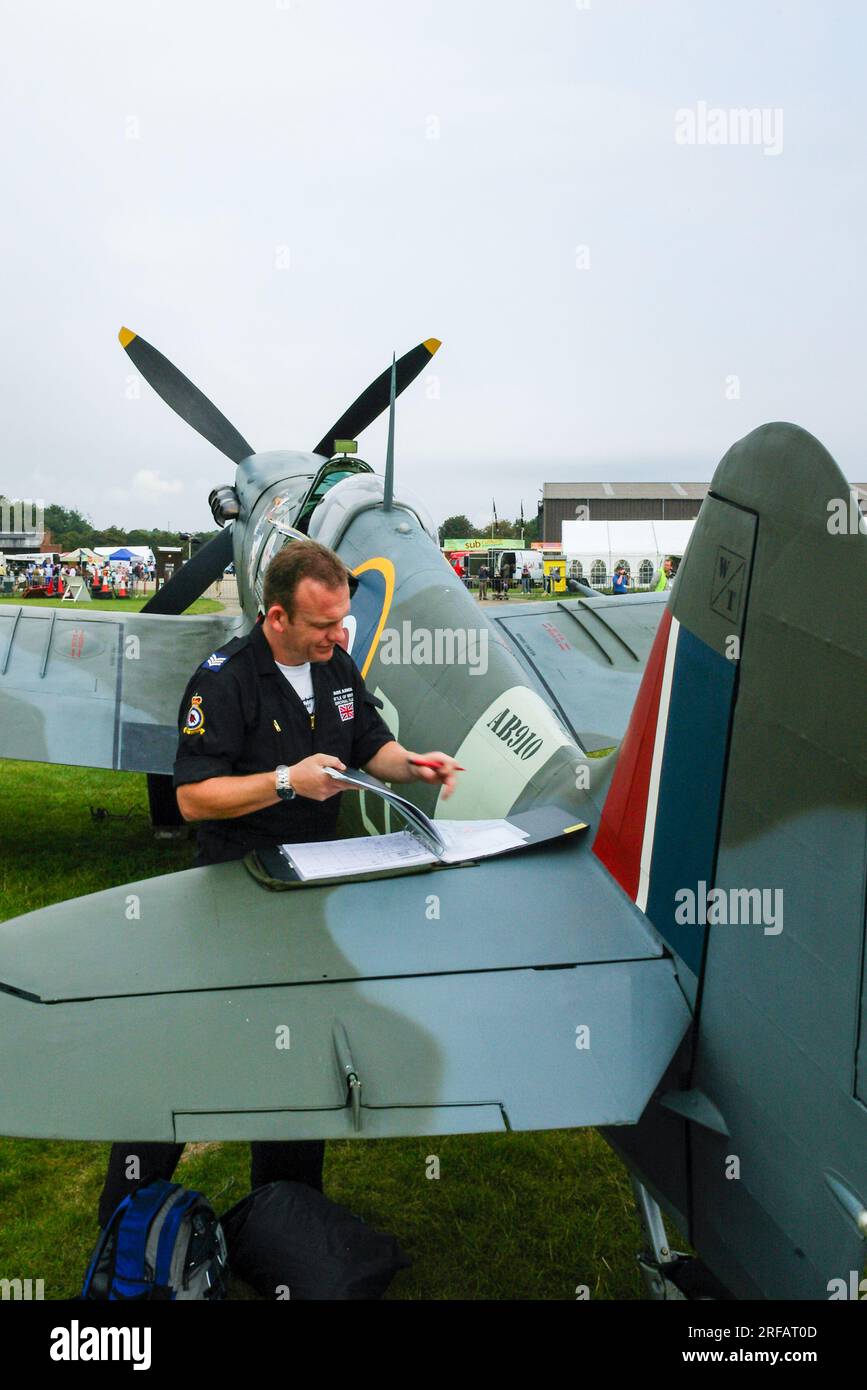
pixel 667 566
pixel 316 625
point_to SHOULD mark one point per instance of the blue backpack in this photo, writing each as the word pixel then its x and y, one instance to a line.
pixel 163 1241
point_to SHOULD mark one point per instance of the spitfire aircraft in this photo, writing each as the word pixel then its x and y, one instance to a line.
pixel 688 974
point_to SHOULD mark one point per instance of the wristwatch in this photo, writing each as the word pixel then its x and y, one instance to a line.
pixel 284 785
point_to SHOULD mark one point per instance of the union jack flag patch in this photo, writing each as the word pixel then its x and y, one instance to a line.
pixel 344 702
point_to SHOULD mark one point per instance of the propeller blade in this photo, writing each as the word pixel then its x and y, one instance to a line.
pixel 388 486
pixel 184 398
pixel 372 402
pixel 193 578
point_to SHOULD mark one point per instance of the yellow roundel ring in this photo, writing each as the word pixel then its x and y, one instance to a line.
pixel 383 566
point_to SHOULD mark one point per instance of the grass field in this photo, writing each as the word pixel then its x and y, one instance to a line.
pixel 516 1216
pixel 127 605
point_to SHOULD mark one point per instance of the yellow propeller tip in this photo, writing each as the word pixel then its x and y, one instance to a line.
pixel 126 336
pixel 432 344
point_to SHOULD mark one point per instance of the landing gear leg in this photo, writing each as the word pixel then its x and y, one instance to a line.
pixel 657 1253
pixel 668 1274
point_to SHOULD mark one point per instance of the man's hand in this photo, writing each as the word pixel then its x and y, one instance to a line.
pixel 308 779
pixel 394 763
pixel 224 798
pixel 443 773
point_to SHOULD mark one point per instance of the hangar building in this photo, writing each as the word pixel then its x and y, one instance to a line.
pixel 618 502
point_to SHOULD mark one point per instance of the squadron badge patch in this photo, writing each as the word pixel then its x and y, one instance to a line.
pixel 195 720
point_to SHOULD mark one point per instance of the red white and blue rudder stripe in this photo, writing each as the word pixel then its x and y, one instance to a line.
pixel 660 822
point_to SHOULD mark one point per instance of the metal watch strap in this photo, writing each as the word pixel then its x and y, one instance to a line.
pixel 284 783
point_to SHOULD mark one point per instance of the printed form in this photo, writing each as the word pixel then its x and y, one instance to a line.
pixel 461 839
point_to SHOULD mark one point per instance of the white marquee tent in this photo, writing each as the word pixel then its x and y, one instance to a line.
pixel 593 548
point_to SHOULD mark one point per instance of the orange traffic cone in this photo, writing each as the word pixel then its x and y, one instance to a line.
pixel 121 588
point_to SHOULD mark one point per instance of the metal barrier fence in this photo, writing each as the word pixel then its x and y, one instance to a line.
pixel 224 589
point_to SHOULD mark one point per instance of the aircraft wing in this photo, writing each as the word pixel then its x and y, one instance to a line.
pixel 522 993
pixel 589 655
pixel 99 689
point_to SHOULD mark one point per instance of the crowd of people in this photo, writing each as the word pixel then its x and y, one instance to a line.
pixel 52 575
pixel 501 582
pixel 497 586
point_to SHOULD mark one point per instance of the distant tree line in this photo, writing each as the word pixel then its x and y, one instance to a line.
pixel 455 527
pixel 70 529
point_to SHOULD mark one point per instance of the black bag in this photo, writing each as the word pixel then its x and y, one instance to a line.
pixel 289 1241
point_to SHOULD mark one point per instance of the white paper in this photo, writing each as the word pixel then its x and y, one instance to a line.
pixel 367 854
pixel 417 819
pixel 463 839
pixel 476 839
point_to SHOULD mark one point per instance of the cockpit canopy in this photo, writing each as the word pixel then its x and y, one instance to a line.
pixel 355 494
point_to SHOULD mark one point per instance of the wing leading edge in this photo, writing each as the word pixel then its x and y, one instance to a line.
pixel 589 655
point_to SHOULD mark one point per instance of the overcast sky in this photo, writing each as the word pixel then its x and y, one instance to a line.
pixel 508 177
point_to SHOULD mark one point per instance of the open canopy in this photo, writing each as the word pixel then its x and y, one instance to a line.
pixel 82 552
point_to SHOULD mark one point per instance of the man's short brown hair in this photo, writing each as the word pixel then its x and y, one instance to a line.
pixel 296 561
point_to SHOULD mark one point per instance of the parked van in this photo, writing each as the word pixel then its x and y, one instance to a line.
pixel 518 559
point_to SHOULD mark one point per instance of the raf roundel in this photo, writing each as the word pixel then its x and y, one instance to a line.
pixel 195 720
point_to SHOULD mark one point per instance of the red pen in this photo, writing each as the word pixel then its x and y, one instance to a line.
pixel 421 762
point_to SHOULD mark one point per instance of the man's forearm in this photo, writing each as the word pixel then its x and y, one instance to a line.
pixel 391 763
pixel 222 798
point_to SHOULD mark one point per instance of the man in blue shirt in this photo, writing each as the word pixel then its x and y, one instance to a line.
pixel 621 580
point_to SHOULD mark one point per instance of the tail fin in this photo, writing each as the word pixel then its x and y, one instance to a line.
pixel 764 637
pixel 741 790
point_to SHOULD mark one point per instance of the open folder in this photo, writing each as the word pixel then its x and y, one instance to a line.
pixel 423 843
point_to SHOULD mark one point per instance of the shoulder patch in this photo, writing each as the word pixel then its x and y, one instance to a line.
pixel 224 654
pixel 195 720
